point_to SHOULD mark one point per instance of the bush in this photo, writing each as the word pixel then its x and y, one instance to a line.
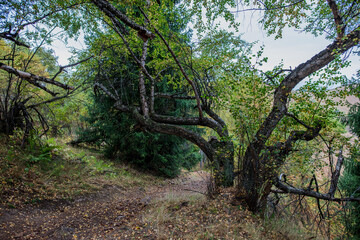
pixel 120 138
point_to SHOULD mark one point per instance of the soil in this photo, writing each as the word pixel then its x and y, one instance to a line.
pixel 111 213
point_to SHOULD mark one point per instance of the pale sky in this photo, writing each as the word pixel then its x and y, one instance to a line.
pixel 63 51
pixel 293 48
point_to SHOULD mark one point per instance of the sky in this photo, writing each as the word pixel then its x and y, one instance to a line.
pixel 63 51
pixel 294 48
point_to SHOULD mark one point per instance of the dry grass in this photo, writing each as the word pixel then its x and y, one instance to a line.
pixel 67 173
pixel 192 216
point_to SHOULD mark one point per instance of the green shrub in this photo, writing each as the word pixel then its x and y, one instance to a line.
pixel 119 138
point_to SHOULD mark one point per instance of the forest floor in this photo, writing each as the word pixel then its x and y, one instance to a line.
pixel 156 212
pixel 126 205
pixel 170 210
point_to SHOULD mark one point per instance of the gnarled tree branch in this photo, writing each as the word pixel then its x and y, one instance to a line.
pixel 110 10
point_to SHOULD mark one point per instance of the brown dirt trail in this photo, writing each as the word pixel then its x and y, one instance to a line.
pixel 112 213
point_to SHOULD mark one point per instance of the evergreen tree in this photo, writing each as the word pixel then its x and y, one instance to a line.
pixel 118 133
pixel 350 180
pixel 120 138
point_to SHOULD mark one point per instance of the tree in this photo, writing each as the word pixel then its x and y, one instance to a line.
pixel 117 133
pixel 22 92
pixel 261 161
pixel 146 114
pixel 26 64
pixel 350 181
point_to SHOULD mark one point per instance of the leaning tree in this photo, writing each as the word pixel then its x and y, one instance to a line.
pixel 339 20
pixel 29 80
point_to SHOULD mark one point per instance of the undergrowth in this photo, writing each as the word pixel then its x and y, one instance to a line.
pixel 48 169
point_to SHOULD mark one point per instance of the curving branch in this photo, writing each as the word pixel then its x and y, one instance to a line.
pixel 111 11
pixel 298 120
pixel 285 187
pixel 206 122
pixel 62 68
pixel 35 79
pixel 302 71
pixel 189 135
pixel 13 38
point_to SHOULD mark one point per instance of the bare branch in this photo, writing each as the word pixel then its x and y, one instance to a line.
pixel 105 90
pixel 110 10
pixel 310 193
pixel 336 174
pixel 34 79
pixel 287 188
pixel 268 9
pixel 318 200
pixel 271 78
pixel 118 103
pixel 10 37
pixel 189 121
pixel 142 88
pixel 127 45
pixel 51 100
pixel 70 65
pixel 177 131
pixel 298 120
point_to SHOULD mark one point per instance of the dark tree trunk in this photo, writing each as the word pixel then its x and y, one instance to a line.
pixel 223 162
pixel 256 180
pixel 11 120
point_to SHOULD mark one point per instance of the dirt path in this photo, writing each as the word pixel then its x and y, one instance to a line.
pixel 112 213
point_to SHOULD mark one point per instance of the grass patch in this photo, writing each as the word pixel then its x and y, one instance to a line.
pixel 188 215
pixel 54 170
pixel 289 229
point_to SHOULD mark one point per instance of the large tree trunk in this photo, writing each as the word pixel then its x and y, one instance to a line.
pixel 256 179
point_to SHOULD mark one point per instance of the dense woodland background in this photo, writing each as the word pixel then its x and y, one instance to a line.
pixel 162 86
